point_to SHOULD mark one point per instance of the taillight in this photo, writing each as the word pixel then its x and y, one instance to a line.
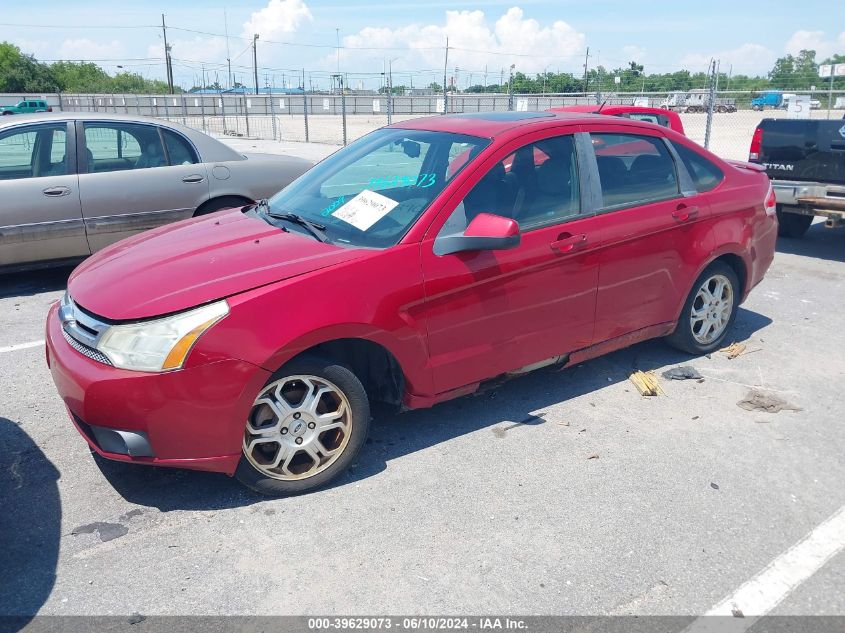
pixel 771 203
pixel 756 144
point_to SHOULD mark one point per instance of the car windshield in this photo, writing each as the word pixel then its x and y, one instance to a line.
pixel 372 191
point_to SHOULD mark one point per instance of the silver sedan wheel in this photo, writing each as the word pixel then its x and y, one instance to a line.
pixel 298 427
pixel 711 309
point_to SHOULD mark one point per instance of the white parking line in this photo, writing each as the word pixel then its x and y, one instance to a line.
pixel 777 580
pixel 14 348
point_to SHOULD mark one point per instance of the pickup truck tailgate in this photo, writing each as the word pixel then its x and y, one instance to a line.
pixel 803 150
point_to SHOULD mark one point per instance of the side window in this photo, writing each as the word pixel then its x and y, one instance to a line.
pixel 178 149
pixel 119 147
pixel 34 152
pixel 704 173
pixel 634 169
pixel 536 185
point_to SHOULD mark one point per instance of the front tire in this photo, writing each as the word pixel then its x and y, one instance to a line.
pixel 708 312
pixel 305 428
pixel 793 225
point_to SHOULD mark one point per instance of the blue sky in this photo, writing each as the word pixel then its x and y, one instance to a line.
pixel 486 37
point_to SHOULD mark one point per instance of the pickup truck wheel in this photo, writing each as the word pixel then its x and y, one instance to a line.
pixel 305 428
pixel 709 311
pixel 793 225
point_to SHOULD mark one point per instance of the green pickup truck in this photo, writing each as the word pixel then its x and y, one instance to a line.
pixel 25 107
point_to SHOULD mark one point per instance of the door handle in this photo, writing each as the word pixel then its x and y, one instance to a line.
pixel 55 192
pixel 193 178
pixel 566 242
pixel 684 213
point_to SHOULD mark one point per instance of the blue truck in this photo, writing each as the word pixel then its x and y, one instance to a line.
pixel 769 99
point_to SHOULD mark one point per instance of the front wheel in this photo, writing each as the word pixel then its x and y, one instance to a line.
pixel 709 311
pixel 305 428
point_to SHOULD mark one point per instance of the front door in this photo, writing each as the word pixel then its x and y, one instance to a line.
pixel 40 215
pixel 489 312
pixel 134 177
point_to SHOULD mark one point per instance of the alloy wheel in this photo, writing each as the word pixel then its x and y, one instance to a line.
pixel 298 426
pixel 711 309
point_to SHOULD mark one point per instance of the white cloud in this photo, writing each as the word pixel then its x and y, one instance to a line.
pixel 635 53
pixel 83 49
pixel 815 40
pixel 748 59
pixel 474 43
pixel 279 16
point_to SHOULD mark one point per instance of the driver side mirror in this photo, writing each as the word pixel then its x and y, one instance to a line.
pixel 486 232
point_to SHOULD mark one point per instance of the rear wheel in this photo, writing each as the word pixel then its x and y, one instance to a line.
pixel 793 225
pixel 305 428
pixel 709 311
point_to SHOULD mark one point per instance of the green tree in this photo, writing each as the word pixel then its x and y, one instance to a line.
pixel 23 73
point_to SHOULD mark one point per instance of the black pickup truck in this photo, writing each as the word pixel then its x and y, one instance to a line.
pixel 805 160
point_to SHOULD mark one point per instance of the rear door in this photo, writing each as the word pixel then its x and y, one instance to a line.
pixel 652 230
pixel 134 177
pixel 803 150
pixel 40 214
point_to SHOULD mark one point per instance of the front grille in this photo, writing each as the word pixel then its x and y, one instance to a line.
pixel 90 352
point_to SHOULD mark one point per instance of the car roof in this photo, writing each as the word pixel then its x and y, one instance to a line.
pixel 493 124
pixel 210 149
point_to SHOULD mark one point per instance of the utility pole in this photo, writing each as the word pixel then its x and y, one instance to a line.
pixel 167 57
pixel 337 35
pixel 445 66
pixel 255 60
pixel 228 53
pixel 586 63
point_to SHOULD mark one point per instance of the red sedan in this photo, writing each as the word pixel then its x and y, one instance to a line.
pixel 253 340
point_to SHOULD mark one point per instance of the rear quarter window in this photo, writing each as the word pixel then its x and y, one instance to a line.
pixel 705 174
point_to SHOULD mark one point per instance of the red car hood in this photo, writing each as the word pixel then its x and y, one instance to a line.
pixel 189 263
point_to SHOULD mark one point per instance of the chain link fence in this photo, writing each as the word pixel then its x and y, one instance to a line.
pixel 336 119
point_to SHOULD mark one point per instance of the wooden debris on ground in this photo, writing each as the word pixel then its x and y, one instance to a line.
pixel 646 383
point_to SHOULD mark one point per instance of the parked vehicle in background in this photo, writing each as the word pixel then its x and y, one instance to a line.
pixel 697 101
pixel 772 99
pixel 805 159
pixel 657 116
pixel 26 107
pixel 73 183
pixel 253 342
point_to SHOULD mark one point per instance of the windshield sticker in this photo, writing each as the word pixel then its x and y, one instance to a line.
pixel 334 205
pixel 365 209
pixel 423 181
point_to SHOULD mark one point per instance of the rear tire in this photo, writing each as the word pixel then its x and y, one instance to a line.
pixel 793 225
pixel 297 440
pixel 709 311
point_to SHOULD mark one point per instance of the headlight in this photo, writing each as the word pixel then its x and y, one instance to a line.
pixel 159 344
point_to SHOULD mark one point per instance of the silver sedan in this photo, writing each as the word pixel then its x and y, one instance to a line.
pixel 72 183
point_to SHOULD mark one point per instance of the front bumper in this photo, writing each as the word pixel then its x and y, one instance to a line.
pixel 190 418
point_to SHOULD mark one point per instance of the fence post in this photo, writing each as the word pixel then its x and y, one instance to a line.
pixel 305 107
pixel 202 112
pixel 272 114
pixel 223 110
pixel 166 109
pixel 184 111
pixel 343 106
pixel 711 105
pixel 246 114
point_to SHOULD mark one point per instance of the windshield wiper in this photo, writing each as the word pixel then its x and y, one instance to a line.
pixel 314 228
